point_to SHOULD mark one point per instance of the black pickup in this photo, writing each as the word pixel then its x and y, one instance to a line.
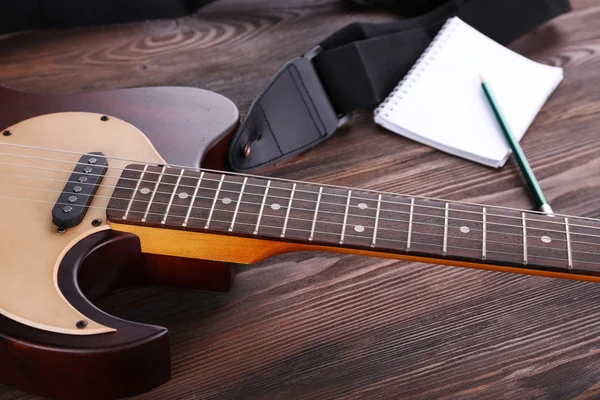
pixel 73 202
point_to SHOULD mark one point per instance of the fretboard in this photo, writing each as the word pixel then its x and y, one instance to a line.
pixel 281 210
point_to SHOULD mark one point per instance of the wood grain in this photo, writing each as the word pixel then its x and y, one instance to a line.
pixel 315 325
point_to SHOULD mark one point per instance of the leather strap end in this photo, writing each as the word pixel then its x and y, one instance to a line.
pixel 292 114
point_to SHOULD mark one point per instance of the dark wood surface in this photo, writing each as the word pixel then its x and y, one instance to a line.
pixel 326 325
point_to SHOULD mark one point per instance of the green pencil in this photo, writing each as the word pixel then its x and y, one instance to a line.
pixel 532 182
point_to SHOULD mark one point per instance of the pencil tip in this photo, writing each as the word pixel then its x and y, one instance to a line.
pixel 481 78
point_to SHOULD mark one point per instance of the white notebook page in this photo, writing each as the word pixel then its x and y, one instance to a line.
pixel 441 102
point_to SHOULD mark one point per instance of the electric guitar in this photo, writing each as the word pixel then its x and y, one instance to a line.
pixel 104 190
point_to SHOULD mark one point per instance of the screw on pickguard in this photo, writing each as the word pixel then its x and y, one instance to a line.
pixel 78 193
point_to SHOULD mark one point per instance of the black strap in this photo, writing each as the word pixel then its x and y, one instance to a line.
pixel 356 68
pixel 20 15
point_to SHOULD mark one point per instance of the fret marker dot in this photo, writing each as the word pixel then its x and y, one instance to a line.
pixel 359 228
pixel 362 206
pixel 183 195
pixel 226 200
pixel 546 239
pixel 275 206
pixel 144 190
pixel 465 229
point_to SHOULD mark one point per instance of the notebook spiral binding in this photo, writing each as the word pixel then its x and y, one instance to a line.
pixel 389 104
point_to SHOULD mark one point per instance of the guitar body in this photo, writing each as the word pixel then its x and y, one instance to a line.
pixel 187 126
pixel 53 341
pixel 101 191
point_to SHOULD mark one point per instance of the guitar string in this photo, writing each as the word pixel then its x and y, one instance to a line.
pixel 322 202
pixel 286 198
pixel 279 197
pixel 358 198
pixel 302 182
pixel 187 206
pixel 563 232
pixel 529 246
pixel 277 237
pixel 327 194
pixel 304 209
pixel 157 173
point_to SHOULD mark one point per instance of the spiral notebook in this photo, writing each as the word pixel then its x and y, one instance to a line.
pixel 440 102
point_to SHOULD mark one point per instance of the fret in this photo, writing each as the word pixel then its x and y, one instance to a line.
pixel 230 209
pixel 214 203
pixel 237 206
pixel 287 213
pixel 345 217
pixel 302 215
pixel 504 236
pixel 546 244
pixel 251 198
pixel 142 195
pixel 153 195
pixel 361 218
pixel 273 214
pixel 585 245
pixel 428 227
pixel 181 200
pixel 206 184
pixel 334 210
pixel 410 224
pixel 123 197
pixel 445 244
pixel 569 252
pixel 191 206
pixel 465 231
pixel 262 207
pixel 164 188
pixel 393 222
pixel 314 223
pixel 137 187
pixel 483 234
pixel 374 241
pixel 164 220
pixel 524 239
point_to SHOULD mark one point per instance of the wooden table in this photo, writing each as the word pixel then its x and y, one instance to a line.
pixel 318 326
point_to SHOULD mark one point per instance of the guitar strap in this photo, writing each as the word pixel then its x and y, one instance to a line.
pixel 356 68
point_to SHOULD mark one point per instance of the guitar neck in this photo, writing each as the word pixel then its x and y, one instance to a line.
pixel 354 219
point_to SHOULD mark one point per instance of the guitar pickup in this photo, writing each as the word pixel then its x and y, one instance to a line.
pixel 78 193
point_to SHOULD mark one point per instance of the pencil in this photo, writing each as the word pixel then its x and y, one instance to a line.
pixel 518 153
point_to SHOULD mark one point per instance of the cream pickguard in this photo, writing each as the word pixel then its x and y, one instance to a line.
pixel 31 249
